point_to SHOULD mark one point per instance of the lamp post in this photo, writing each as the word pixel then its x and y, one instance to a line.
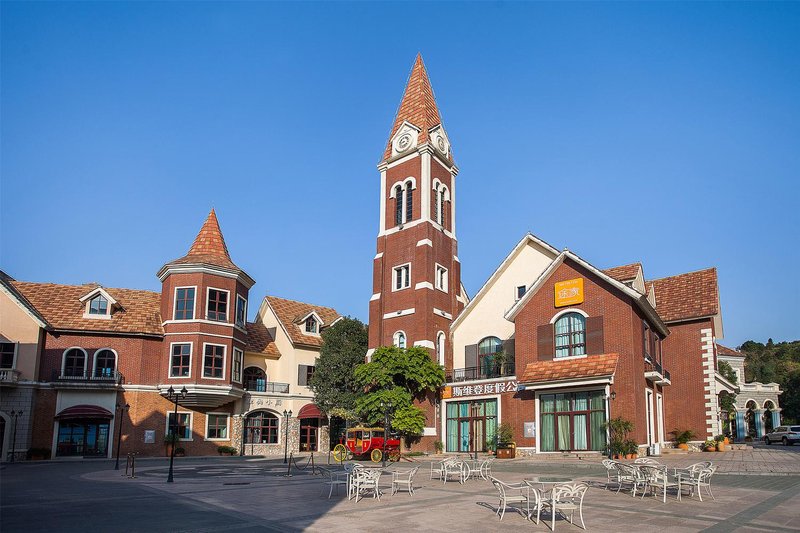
pixel 121 409
pixel 16 415
pixel 286 416
pixel 386 408
pixel 475 444
pixel 174 396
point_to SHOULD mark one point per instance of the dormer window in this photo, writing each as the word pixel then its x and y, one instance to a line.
pixel 311 325
pixel 98 304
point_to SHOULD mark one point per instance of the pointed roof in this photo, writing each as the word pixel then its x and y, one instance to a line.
pixel 208 247
pixel 687 296
pixel 418 106
pixel 624 272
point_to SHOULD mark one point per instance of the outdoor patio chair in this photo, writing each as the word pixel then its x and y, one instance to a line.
pixel 366 480
pixel 334 479
pixel 612 472
pixel 350 469
pixel 658 477
pixel 485 470
pixel 646 461
pixel 514 495
pixel 403 479
pixel 630 475
pixel 460 469
pixel 437 468
pixel 567 497
pixel 698 479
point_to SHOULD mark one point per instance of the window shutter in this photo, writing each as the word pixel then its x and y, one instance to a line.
pixel 544 341
pixel 471 356
pixel 301 375
pixel 594 335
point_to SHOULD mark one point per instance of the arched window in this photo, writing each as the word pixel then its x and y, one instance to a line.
pixel 105 363
pixel 440 347
pixel 398 205
pixel 261 427
pixel 400 339
pixel 570 333
pixel 409 202
pixel 255 379
pixel 437 206
pixel 487 349
pixel 441 205
pixel 74 363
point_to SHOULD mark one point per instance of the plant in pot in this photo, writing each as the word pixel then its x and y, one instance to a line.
pixel 438 446
pixel 180 452
pixel 490 445
pixel 682 437
pixel 616 449
pixel 170 439
pixel 631 449
pixel 226 450
pixel 506 448
pixel 710 446
pixel 618 429
pixel 719 442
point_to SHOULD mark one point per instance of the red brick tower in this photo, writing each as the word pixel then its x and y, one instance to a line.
pixel 204 308
pixel 416 273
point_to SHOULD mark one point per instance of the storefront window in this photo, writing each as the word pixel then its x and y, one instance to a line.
pixel 471 425
pixel 572 421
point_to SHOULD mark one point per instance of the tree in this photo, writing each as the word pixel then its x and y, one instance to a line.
pixel 727 401
pixel 397 376
pixel 344 346
pixel 776 363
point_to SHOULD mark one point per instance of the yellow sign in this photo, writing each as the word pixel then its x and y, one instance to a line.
pixel 569 292
pixel 447 392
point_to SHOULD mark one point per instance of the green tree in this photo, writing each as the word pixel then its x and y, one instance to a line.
pixel 727 400
pixel 344 346
pixel 397 376
pixel 776 363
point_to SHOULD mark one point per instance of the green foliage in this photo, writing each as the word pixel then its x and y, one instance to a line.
pixel 776 363
pixel 438 446
pixel 709 444
pixel 397 376
pixel 505 434
pixel 618 429
pixel 630 446
pixel 727 372
pixel 171 438
pixel 226 449
pixel 682 436
pixel 335 388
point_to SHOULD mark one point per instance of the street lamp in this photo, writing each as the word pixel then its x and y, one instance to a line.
pixel 386 408
pixel 286 416
pixel 475 407
pixel 16 415
pixel 173 396
pixel 121 409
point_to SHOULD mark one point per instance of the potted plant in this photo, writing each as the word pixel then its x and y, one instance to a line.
pixel 37 454
pixel 170 439
pixel 490 446
pixel 180 452
pixel 506 448
pixel 616 449
pixel 226 450
pixel 710 446
pixel 618 429
pixel 682 437
pixel 720 443
pixel 631 449
pixel 438 446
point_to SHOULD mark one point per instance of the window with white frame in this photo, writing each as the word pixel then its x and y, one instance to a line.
pixel 217 426
pixel 519 292
pixel 180 360
pixel 98 305
pixel 217 305
pixel 402 277
pixel 105 363
pixel 400 339
pixel 236 370
pixel 8 353
pixel 398 205
pixel 441 278
pixel 74 363
pixel 241 311
pixel 182 427
pixel 311 325
pixel 184 303
pixel 409 202
pixel 440 347
pixel 214 361
pixel 439 197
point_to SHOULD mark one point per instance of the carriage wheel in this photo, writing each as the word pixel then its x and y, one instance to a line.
pixel 339 453
pixel 376 456
pixel 394 455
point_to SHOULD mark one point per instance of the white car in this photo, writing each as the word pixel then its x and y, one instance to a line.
pixel 785 434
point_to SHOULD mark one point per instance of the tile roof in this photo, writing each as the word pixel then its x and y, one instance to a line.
pixel 571 369
pixel 259 340
pixel 137 311
pixel 208 247
pixel 418 106
pixel 289 312
pixel 724 350
pixel 623 272
pixel 686 296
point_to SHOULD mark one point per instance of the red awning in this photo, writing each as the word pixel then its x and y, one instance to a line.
pixel 310 410
pixel 84 411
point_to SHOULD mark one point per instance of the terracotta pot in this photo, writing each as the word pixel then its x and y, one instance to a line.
pixel 721 447
pixel 726 441
pixel 683 446
pixel 711 448
pixel 617 456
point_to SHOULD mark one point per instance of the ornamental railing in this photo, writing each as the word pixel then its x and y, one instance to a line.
pixel 8 375
pixel 105 376
pixel 477 372
pixel 655 366
pixel 261 385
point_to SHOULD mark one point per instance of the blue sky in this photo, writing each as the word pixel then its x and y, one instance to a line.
pixel 661 132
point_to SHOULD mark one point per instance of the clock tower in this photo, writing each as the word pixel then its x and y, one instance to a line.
pixel 416 288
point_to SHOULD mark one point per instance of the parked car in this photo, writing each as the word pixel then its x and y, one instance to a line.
pixel 785 434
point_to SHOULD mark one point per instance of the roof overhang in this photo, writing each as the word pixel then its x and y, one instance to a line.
pixel 572 382
pixel 200 395
pixel 98 290
pixel 205 268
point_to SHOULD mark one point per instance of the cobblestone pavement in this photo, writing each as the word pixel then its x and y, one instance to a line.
pixel 252 494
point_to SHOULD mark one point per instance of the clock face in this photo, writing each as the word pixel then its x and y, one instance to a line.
pixel 404 142
pixel 440 144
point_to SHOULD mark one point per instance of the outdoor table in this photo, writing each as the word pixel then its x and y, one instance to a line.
pixel 547 480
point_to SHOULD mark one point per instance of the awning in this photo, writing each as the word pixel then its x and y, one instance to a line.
pixel 84 411
pixel 310 410
pixel 570 371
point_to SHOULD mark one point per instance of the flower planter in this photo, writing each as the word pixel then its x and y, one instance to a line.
pixel 721 447
pixel 506 453
pixel 683 446
pixel 726 441
pixel 711 448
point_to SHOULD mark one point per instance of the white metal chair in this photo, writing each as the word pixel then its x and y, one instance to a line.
pixel 438 468
pixel 630 475
pixel 514 495
pixel 658 478
pixel 334 479
pixel 366 480
pixel 612 472
pixel 460 469
pixel 485 470
pixel 645 461
pixel 351 469
pixel 698 479
pixel 567 497
pixel 403 479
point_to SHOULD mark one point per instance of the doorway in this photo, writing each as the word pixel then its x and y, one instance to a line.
pixel 82 438
pixel 309 431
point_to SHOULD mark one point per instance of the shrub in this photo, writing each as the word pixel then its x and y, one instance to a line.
pixel 171 438
pixel 682 436
pixel 438 446
pixel 230 450
pixel 505 434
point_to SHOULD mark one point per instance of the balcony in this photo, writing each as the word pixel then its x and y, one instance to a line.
pixel 105 378
pixel 476 372
pixel 261 385
pixel 656 373
pixel 9 376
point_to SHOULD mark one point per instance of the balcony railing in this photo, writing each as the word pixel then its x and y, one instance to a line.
pixel 105 376
pixel 260 385
pixel 655 367
pixel 8 375
pixel 476 372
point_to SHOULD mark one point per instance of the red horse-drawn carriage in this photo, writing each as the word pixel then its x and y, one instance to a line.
pixel 369 442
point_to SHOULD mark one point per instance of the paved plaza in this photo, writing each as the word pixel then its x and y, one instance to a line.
pixel 756 490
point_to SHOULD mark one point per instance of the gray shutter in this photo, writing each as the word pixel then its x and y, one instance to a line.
pixel 301 375
pixel 471 356
pixel 544 342
pixel 594 335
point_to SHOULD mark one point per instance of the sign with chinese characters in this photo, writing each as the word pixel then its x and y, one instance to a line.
pixel 569 292
pixel 479 389
pixel 149 436
pixel 265 402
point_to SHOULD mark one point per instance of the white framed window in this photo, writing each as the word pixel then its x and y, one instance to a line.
pixel 8 355
pixel 184 303
pixel 241 310
pixel 403 193
pixel 519 292
pixel 183 428
pixel 217 426
pixel 236 370
pixel 311 325
pixel 74 361
pixel 401 277
pixel 217 304
pixel 214 361
pixel 441 278
pixel 440 339
pixel 105 363
pixel 180 359
pixel 399 339
pixel 98 305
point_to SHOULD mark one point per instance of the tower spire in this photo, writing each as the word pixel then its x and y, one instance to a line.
pixel 418 106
